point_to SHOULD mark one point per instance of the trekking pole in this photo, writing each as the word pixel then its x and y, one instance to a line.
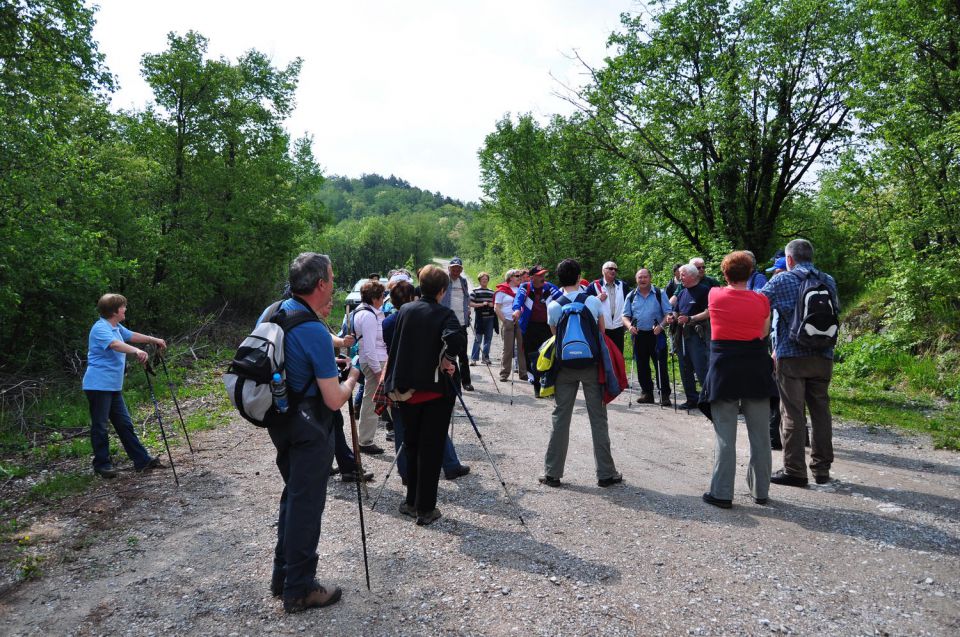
pixel 147 370
pixel 656 359
pixel 476 430
pixel 387 477
pixel 361 477
pixel 633 364
pixel 674 370
pixel 176 403
pixel 490 371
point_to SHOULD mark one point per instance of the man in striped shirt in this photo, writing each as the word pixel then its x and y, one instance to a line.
pixel 485 319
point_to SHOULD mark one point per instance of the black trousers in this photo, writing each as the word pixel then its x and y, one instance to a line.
pixel 644 351
pixel 304 456
pixel 533 338
pixel 616 335
pixel 425 436
pixel 463 361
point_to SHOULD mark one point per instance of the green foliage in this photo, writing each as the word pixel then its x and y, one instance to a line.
pixel 549 194
pixel 385 223
pixel 60 485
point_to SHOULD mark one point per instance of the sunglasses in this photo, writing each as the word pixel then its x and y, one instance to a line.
pixel 613 269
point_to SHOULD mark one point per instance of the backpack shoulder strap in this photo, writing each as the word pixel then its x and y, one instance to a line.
pixel 581 297
pixel 289 320
pixel 563 300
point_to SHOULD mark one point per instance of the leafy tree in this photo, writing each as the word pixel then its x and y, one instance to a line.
pixel 717 110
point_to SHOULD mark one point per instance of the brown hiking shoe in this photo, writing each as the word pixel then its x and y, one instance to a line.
pixel 317 598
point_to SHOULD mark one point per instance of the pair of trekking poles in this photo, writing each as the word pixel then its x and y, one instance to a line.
pixel 148 372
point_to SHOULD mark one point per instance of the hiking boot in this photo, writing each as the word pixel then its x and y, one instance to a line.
pixel 487 361
pixel 467 387
pixel 407 509
pixel 761 501
pixel 459 472
pixel 153 463
pixel 645 399
pixel 107 472
pixel 822 478
pixel 717 502
pixel 504 379
pixel 319 597
pixel 351 476
pixel 665 401
pixel 426 519
pixel 371 450
pixel 785 479
pixel 609 482
pixel 550 482
pixel 687 406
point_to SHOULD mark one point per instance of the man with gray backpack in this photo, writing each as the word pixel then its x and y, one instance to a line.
pixel 293 349
pixel 805 300
pixel 576 320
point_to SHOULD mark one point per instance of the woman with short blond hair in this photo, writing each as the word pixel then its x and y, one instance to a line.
pixel 107 347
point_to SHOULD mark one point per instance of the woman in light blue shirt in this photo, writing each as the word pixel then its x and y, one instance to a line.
pixel 103 382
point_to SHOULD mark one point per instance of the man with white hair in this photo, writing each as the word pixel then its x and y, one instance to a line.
pixel 701 267
pixel 612 293
pixel 693 318
pixel 803 373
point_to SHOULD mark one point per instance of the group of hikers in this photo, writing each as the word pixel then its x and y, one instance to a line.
pixel 758 347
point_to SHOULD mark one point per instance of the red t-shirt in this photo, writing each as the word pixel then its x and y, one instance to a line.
pixel 737 315
pixel 538 313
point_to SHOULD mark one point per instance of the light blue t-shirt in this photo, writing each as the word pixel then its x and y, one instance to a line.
pixel 592 303
pixel 105 366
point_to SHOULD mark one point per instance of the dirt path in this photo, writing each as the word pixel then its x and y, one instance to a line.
pixel 875 552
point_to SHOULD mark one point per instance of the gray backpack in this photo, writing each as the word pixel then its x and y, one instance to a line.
pixel 258 358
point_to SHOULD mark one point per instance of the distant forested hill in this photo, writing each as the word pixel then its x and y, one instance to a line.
pixel 381 223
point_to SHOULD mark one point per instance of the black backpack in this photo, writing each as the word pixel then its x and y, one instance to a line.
pixel 578 338
pixel 815 321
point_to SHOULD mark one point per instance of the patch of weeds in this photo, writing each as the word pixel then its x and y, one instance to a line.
pixel 28 566
pixel 14 471
pixel 9 528
pixel 61 485
pixel 877 407
pixel 133 541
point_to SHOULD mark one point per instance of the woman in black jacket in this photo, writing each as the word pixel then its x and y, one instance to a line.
pixel 422 360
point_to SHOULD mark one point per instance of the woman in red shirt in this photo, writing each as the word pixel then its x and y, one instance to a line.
pixel 739 378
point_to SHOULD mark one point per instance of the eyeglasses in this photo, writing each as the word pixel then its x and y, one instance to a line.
pixel 514 276
pixel 613 269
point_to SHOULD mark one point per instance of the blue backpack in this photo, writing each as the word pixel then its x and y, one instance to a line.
pixel 578 339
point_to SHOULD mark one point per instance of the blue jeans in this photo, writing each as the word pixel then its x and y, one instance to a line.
pixel 304 456
pixel 482 330
pixel 109 406
pixel 450 460
pixel 695 358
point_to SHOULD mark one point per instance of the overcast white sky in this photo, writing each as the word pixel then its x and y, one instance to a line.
pixel 408 87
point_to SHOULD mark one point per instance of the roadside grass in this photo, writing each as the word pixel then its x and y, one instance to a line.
pixel 61 485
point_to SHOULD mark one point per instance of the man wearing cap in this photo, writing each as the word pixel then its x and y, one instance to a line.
pixel 457 298
pixel 530 310
pixel 612 293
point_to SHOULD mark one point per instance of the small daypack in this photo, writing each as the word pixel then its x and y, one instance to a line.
pixel 815 319
pixel 258 358
pixel 577 343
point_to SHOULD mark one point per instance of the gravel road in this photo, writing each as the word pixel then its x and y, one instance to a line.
pixel 874 552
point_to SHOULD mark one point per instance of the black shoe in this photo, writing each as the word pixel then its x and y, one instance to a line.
pixel 426 519
pixel 334 470
pixel 822 478
pixel 550 482
pixel 317 598
pixel 487 361
pixel 276 584
pixel 609 482
pixel 761 500
pixel 717 502
pixel 785 479
pixel 460 471
pixel 153 463
pixel 406 509
pixel 687 406
pixel 645 399
pixel 371 450
pixel 351 476
pixel 107 472
pixel 665 401
pixel 776 445
pixel 503 380
pixel 467 387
